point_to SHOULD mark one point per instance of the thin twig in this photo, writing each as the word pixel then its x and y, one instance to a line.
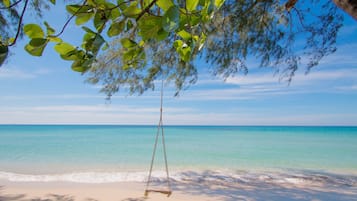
pixel 117 6
pixel 301 19
pixel 146 10
pixel 250 8
pixel 66 24
pixel 20 23
pixel 12 5
pixel 78 12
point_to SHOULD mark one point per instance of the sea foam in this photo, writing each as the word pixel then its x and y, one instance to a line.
pixel 78 177
pixel 208 176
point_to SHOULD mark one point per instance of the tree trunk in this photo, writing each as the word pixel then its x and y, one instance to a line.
pixel 349 6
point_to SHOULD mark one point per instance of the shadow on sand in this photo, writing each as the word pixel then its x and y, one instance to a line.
pixel 52 197
pixel 314 187
pixel 327 187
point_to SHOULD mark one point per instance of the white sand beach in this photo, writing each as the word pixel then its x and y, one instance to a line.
pixel 295 188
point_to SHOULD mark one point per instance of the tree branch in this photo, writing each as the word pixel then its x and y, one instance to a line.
pixel 290 4
pixel 117 6
pixel 146 9
pixel 301 19
pixel 20 24
pixel 69 20
pixel 250 8
pixel 12 5
pixel 350 7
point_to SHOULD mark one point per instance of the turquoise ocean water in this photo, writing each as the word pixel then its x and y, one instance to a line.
pixel 123 153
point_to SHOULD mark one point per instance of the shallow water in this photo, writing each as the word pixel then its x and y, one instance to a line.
pixel 114 153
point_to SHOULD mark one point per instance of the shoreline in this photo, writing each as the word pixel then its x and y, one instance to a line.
pixel 98 177
pixel 206 186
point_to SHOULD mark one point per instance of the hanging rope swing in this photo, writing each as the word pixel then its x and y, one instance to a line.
pixel 160 128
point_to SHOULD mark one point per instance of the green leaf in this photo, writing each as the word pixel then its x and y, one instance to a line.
pixel 99 21
pixel 114 14
pixel 126 67
pixel 101 4
pixel 72 9
pixel 78 66
pixel 50 30
pixel 116 28
pixel 202 41
pixel 129 55
pixel 33 31
pixel 149 27
pixel 194 20
pixel 191 4
pixel 165 4
pixel 73 55
pixel 88 62
pixel 185 54
pixel 207 10
pixel 10 40
pixel 54 39
pixel 64 48
pixel 83 64
pixel 36 46
pixel 88 30
pixel 83 18
pixel 97 44
pixel 218 3
pixel 128 43
pixel 122 4
pixel 146 3
pixel 79 9
pixel 53 2
pixel 132 10
pixel 35 51
pixel 129 25
pixel 183 50
pixel 171 19
pixel 6 3
pixel 178 44
pixel 4 51
pixel 88 36
pixel 184 35
pixel 88 40
pixel 162 34
pixel 38 42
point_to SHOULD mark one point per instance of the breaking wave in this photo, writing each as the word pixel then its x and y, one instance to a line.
pixel 283 178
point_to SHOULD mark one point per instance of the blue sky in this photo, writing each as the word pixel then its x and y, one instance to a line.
pixel 46 91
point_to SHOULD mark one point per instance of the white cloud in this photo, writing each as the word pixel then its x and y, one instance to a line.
pixel 262 85
pixel 253 79
pixel 10 72
pixel 298 79
pixel 87 114
pixel 15 73
pixel 347 88
pixel 102 109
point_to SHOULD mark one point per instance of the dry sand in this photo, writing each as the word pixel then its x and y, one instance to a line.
pixel 198 191
pixel 63 191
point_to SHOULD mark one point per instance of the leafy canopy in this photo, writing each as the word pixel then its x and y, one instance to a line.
pixel 134 42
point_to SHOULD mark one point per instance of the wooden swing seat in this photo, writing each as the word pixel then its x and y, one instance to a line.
pixel 167 192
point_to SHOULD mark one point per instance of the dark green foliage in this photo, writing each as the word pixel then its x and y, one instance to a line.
pixel 160 39
pixel 279 39
pixel 265 30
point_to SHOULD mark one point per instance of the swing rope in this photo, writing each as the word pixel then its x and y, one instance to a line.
pixel 160 127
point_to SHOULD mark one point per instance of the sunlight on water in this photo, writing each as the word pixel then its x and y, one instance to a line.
pixel 68 149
